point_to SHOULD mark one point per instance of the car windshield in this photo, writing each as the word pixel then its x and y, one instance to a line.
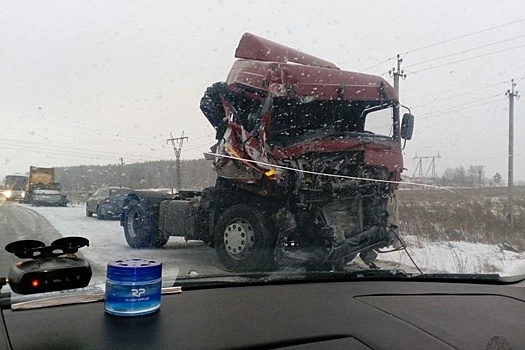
pixel 15 182
pixel 276 140
pixel 119 191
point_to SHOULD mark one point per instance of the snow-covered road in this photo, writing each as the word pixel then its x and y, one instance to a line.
pixel 107 243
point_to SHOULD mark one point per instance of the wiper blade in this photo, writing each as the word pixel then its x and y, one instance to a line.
pixel 191 281
pixel 356 275
pixel 287 277
pixel 471 278
pixel 277 277
pixel 461 276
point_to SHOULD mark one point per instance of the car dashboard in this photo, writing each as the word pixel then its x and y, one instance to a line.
pixel 325 315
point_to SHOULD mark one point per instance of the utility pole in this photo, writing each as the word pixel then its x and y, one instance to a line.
pixel 176 143
pixel 397 73
pixel 511 94
pixel 121 171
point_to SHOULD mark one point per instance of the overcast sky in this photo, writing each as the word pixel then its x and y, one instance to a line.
pixel 88 82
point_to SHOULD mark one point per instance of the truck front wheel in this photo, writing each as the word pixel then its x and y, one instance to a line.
pixel 242 240
pixel 140 229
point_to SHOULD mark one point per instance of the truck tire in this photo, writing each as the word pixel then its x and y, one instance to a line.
pixel 243 241
pixel 88 212
pixel 140 228
pixel 100 216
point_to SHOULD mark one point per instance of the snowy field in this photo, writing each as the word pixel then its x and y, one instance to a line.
pixel 107 240
pixel 459 257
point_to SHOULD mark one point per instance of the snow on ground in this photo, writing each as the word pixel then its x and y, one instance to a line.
pixel 107 243
pixel 107 238
pixel 458 257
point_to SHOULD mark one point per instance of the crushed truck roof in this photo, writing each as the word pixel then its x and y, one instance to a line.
pixel 283 71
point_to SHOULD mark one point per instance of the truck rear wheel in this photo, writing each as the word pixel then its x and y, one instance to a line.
pixel 243 241
pixel 140 228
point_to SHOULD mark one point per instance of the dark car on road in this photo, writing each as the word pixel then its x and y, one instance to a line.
pixel 106 202
pixel 49 198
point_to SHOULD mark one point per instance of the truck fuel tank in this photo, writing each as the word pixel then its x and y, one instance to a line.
pixel 177 217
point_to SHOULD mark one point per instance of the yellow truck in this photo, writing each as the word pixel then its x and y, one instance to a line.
pixel 43 189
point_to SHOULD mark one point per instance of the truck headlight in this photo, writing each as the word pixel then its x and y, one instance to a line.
pixel 7 194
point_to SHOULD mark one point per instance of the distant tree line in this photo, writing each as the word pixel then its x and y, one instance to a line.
pixel 473 176
pixel 199 174
pixel 195 174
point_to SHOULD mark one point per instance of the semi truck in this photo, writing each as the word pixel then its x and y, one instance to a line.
pixel 308 157
pixel 43 189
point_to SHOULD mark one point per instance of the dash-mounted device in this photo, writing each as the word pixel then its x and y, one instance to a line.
pixel 51 268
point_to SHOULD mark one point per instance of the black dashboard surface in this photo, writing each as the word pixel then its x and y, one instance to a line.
pixel 329 315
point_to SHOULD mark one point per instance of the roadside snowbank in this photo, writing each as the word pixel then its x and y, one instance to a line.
pixel 458 257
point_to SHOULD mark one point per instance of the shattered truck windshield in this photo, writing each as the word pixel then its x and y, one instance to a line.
pixel 293 119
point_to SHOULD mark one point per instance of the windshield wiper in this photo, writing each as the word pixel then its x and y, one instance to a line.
pixel 286 277
pixel 281 277
pixel 471 278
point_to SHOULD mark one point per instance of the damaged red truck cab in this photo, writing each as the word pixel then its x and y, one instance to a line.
pixel 307 158
pixel 304 105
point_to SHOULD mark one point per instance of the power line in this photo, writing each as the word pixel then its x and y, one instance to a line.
pixel 465 36
pixel 459 108
pixel 77 127
pixel 426 116
pixel 444 42
pixel 467 59
pixel 37 147
pixel 458 95
pixel 73 150
pixel 199 147
pixel 375 65
pixel 464 51
pixel 471 102
pixel 56 152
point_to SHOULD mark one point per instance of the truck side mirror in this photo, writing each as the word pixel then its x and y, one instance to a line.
pixel 407 126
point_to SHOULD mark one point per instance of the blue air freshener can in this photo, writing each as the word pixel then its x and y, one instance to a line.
pixel 133 287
